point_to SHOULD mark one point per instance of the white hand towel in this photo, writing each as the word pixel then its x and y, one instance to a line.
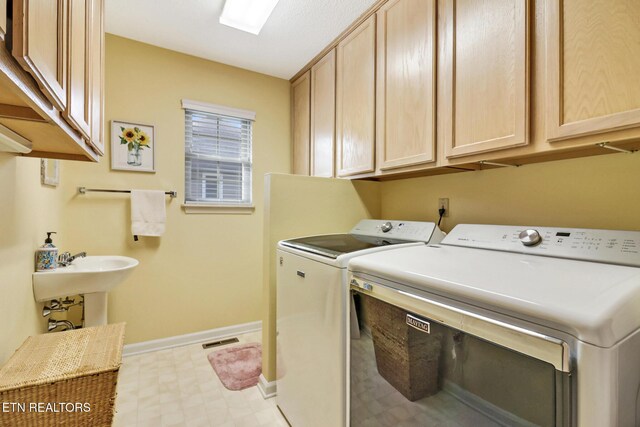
pixel 148 213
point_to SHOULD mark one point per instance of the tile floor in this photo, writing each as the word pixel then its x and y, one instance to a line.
pixel 178 387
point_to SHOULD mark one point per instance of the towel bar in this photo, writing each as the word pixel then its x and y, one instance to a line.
pixel 83 190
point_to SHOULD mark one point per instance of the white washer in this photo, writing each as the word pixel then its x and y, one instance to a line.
pixel 538 306
pixel 312 315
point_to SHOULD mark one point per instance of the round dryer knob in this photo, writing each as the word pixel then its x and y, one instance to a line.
pixel 386 227
pixel 530 237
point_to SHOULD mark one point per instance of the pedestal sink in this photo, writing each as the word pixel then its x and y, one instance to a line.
pixel 91 276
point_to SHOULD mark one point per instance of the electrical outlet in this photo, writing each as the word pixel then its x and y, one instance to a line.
pixel 444 203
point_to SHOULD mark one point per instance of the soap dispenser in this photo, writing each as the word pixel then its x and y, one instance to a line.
pixel 47 255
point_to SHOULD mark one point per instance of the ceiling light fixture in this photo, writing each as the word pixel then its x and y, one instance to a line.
pixel 247 15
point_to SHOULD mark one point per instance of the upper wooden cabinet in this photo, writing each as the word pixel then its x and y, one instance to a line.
pixel 464 84
pixel 406 84
pixel 593 58
pixel 96 75
pixel 52 77
pixel 3 18
pixel 300 121
pixel 40 45
pixel 323 109
pixel 78 64
pixel 355 100
pixel 485 105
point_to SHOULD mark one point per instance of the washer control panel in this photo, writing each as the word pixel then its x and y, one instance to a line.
pixel 607 246
pixel 414 231
pixel 387 226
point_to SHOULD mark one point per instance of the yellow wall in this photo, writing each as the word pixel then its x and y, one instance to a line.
pixel 206 271
pixel 593 192
pixel 300 206
pixel 27 210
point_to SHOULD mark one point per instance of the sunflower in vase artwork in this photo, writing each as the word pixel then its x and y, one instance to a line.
pixel 136 140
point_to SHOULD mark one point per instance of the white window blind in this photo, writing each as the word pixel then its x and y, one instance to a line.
pixel 217 158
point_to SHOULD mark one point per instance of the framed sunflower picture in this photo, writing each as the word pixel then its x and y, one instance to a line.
pixel 133 147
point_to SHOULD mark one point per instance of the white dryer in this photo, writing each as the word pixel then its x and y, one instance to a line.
pixel 312 307
pixel 532 326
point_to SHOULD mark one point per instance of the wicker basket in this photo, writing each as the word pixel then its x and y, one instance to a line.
pixel 67 378
pixel 407 358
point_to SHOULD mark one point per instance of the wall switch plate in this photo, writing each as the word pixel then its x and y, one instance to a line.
pixel 444 203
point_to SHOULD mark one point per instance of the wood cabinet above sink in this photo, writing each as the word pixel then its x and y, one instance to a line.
pixel 37 82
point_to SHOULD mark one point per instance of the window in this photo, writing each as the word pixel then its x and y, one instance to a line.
pixel 217 155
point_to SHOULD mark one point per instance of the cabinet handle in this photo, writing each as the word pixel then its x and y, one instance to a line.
pixel 300 273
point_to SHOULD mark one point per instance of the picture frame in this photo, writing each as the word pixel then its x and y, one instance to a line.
pixel 133 146
pixel 50 172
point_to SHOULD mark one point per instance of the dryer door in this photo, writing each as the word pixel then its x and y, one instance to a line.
pixel 426 363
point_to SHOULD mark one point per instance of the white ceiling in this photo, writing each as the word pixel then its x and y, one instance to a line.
pixel 296 31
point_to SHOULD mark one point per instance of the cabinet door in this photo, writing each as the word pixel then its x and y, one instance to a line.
pixel 406 83
pixel 486 81
pixel 593 58
pixel 3 19
pixel 300 122
pixel 323 108
pixel 96 68
pixel 355 100
pixel 78 88
pixel 40 45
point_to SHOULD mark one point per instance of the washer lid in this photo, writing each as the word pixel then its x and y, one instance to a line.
pixel 334 245
pixel 595 302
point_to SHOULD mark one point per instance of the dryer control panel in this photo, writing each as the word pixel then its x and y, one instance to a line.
pixel 607 246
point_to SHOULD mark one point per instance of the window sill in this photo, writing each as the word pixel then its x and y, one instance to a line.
pixel 195 208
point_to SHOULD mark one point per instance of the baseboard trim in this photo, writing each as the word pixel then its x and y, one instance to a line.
pixel 267 389
pixel 193 338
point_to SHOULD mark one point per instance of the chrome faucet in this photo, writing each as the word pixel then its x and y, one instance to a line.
pixel 65 258
pixel 78 255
